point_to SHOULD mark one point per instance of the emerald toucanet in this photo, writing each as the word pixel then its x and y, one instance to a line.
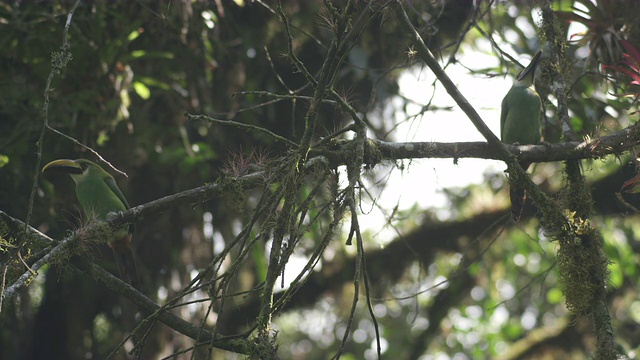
pixel 100 199
pixel 520 123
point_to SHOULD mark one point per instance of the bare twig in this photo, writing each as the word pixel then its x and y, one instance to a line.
pixel 500 148
pixel 231 343
pixel 227 343
pixel 32 271
pixel 58 62
pixel 248 127
pixel 94 152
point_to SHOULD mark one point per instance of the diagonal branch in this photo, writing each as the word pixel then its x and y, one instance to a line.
pixel 247 127
pixel 425 54
pixel 59 61
pixel 118 286
pixel 502 152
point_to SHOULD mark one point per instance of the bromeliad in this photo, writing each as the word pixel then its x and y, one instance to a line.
pixel 520 123
pixel 100 199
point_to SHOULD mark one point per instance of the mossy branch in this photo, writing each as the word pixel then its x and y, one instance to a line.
pixel 234 344
pixel 582 263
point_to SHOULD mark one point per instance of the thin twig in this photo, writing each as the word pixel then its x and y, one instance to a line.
pixel 291 96
pixel 94 152
pixel 59 61
pixel 244 127
pixel 12 290
pixel 367 289
pixel 500 148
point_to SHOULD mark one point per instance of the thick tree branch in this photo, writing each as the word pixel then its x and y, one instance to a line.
pixel 203 336
pixel 589 256
pixel 517 173
pixel 59 61
pixel 377 151
pixel 428 240
pixel 15 227
pixel 423 244
pixel 594 148
pixel 564 327
pixel 191 196
pixel 118 286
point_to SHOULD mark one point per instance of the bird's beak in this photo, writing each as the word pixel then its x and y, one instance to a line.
pixel 63 165
pixel 531 68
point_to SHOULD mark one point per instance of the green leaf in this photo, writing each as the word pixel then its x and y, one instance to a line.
pixel 103 137
pixel 616 277
pixel 258 255
pixel 142 90
pixel 513 330
pixel 134 35
pixel 4 160
pixel 149 81
pixel 554 296
pixel 137 54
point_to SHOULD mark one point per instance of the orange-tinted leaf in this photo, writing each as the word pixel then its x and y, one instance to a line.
pixel 632 185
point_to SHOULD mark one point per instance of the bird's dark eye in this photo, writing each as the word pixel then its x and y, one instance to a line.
pixel 84 166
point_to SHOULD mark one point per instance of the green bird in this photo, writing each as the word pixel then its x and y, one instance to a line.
pixel 520 123
pixel 100 199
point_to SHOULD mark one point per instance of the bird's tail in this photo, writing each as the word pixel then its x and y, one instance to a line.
pixel 127 267
pixel 518 198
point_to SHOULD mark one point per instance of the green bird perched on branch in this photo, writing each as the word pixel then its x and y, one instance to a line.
pixel 100 199
pixel 520 123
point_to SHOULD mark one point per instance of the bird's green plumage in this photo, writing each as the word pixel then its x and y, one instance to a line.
pixel 96 189
pixel 100 197
pixel 521 122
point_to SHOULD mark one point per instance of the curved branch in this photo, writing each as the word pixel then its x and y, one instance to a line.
pixel 230 343
pixel 377 151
